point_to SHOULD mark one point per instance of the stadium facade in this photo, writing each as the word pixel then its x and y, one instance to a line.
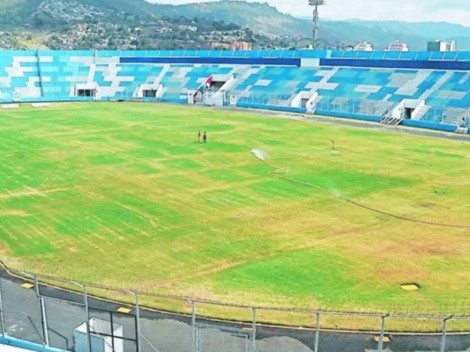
pixel 416 89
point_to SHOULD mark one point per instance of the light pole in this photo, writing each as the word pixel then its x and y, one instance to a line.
pixel 2 316
pixel 42 306
pixel 87 310
pixel 316 19
pixel 444 332
pixel 137 317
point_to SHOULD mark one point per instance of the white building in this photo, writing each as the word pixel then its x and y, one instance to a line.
pixel 364 46
pixel 398 46
pixel 442 45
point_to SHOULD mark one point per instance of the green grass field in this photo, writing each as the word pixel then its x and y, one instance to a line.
pixel 122 194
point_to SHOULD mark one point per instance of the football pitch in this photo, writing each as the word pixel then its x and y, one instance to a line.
pixel 339 217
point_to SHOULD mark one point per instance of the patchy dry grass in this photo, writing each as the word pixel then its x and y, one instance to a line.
pixel 122 194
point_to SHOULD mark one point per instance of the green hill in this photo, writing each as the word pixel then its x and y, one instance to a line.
pixel 263 18
pixel 53 16
pixel 259 17
pixel 40 14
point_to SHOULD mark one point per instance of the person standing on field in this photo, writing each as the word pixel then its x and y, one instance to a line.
pixel 204 137
pixel 199 135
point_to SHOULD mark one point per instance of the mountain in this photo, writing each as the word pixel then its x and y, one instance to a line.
pixel 25 6
pixel 421 29
pixel 259 17
pixel 263 18
pixel 34 14
pixel 381 33
pixel 137 24
pixel 128 24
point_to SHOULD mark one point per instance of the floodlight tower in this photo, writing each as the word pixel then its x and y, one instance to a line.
pixel 316 19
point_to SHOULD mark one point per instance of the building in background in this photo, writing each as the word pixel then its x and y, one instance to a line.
pixel 398 46
pixel 364 46
pixel 239 45
pixel 442 45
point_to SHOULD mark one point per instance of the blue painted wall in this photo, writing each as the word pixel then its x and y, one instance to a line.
pixel 10 341
pixel 212 61
pixel 408 64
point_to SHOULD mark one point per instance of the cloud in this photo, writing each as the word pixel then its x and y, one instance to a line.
pixel 453 11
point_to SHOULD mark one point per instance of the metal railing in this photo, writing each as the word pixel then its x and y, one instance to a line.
pixel 265 98
pixel 374 108
pixel 49 309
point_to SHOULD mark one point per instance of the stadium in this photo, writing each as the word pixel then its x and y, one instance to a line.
pixel 330 181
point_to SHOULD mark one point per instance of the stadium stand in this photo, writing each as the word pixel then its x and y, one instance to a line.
pixel 418 89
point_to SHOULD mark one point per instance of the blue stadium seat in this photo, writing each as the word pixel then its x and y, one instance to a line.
pixel 381 80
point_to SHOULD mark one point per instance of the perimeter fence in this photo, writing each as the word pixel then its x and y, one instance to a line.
pixel 83 317
pixel 363 109
pixel 370 109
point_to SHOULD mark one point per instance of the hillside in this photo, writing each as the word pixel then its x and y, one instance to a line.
pixel 381 33
pixel 259 17
pixel 262 18
pixel 138 24
pixel 35 14
pixel 103 24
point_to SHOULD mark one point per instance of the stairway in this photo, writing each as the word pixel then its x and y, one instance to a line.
pixel 393 115
pixel 241 75
pixel 38 60
pixel 421 112
pixel 440 82
pixel 410 87
pixel 462 130
pixel 390 120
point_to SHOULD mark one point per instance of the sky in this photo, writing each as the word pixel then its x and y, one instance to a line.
pixel 453 11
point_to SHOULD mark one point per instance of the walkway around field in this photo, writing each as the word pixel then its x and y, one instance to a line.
pixel 45 315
